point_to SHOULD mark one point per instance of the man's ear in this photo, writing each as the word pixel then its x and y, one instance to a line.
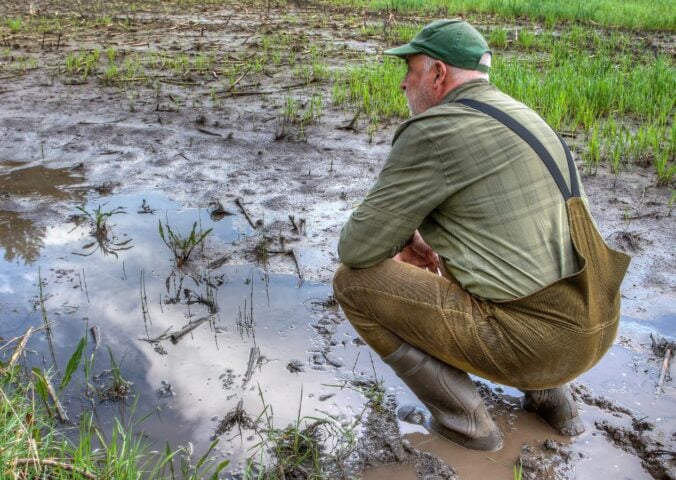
pixel 439 72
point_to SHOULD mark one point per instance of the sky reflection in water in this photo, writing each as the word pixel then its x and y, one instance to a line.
pixel 206 367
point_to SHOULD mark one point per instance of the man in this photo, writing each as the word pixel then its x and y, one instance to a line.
pixel 497 268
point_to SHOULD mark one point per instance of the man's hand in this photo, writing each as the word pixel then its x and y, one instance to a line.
pixel 419 254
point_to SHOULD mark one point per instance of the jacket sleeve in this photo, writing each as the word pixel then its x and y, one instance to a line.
pixel 410 185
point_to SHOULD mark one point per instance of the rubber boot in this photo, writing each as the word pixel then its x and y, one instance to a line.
pixel 556 407
pixel 457 410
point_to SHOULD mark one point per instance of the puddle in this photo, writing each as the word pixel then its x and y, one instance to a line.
pixel 257 324
pixel 27 195
pixel 36 180
pixel 200 142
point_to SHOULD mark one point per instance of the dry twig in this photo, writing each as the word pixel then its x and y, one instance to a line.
pixel 665 368
pixel 19 349
pixel 240 204
pixel 50 462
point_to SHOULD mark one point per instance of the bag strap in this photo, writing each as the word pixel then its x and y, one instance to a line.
pixel 535 144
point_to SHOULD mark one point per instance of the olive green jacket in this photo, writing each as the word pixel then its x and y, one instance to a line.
pixel 479 195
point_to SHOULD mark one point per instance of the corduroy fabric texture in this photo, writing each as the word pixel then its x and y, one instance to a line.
pixel 538 341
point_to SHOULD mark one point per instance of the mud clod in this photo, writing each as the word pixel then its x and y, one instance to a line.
pixel 429 467
pixel 383 445
pixel 660 345
pixel 548 461
pixel 295 366
pixel 657 459
pixel 582 393
pixel 627 241
pixel 235 417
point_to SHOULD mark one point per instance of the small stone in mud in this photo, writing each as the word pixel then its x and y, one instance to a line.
pixel 549 444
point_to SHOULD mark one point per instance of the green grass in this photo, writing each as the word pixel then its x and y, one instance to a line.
pixel 374 88
pixel 14 24
pixel 604 86
pixel 82 63
pixel 634 14
pixel 32 446
pixel 182 246
pixel 309 447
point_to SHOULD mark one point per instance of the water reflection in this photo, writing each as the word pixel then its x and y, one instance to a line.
pixel 194 342
pixel 25 194
pixel 21 239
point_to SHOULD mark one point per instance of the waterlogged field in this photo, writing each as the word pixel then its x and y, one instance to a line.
pixel 173 178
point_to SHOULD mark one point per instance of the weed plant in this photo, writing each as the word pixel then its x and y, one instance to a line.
pixel 182 246
pixel 33 447
pixel 82 63
pixel 14 24
pixel 300 116
pixel 99 219
pixel 104 240
pixel 310 447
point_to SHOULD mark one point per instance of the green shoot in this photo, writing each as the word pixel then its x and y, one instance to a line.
pixel 182 247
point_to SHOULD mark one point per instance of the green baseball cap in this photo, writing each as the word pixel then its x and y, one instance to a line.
pixel 454 42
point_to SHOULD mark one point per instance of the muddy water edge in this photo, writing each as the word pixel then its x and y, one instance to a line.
pixel 247 326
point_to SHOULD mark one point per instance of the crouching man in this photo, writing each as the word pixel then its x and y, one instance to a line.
pixel 475 252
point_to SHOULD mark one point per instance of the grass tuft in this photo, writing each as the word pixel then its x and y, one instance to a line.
pixel 182 247
pixel 31 446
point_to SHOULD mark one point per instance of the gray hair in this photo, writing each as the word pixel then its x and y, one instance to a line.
pixel 461 74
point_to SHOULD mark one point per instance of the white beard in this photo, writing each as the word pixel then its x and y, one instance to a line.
pixel 418 101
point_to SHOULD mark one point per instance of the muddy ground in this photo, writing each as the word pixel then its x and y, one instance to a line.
pixel 209 141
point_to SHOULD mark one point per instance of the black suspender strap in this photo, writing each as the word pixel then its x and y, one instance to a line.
pixel 535 144
pixel 574 184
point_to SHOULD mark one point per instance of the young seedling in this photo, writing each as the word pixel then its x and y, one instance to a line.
pixel 112 385
pixel 14 24
pixel 104 240
pixel 182 247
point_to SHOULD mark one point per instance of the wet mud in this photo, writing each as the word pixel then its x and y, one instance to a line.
pixel 249 324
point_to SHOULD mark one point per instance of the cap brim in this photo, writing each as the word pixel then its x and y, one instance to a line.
pixel 402 51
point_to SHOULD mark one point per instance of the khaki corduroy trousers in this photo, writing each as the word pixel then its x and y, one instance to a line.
pixel 538 341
